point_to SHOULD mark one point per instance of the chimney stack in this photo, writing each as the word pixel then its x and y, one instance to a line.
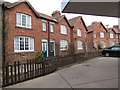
pixel 116 26
pixel 56 14
pixel 94 22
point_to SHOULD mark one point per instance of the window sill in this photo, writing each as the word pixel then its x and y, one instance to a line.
pixel 63 34
pixel 44 31
pixel 52 32
pixel 24 52
pixel 23 27
pixel 80 48
pixel 63 50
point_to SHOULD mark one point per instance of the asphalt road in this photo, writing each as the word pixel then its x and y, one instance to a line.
pixel 99 72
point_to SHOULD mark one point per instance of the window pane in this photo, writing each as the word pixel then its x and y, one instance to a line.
pixel 52 28
pixel 23 20
pixel 28 21
pixel 26 44
pixel 79 32
pixel 80 45
pixel 44 26
pixel 63 45
pixel 63 29
pixel 102 34
pixel 16 43
pixel 18 19
pixel 21 43
pixel 31 44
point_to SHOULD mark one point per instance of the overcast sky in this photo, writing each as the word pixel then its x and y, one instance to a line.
pixel 48 6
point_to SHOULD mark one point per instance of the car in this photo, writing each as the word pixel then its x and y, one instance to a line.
pixel 112 51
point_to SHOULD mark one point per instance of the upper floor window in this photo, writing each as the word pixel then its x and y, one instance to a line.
pixel 63 44
pixel 79 32
pixel 116 35
pixel 22 43
pixel 51 28
pixel 23 20
pixel 101 34
pixel 94 34
pixel 111 35
pixel 63 29
pixel 80 45
pixel 44 26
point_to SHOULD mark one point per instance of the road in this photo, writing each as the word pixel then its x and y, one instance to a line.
pixel 99 72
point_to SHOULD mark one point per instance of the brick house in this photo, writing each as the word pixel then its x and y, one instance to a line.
pixel 63 30
pixel 117 32
pixel 24 29
pixel 97 35
pixel 113 36
pixel 79 34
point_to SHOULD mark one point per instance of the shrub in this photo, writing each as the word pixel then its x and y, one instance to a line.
pixel 39 56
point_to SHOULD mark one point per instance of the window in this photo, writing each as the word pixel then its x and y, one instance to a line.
pixel 80 45
pixel 44 26
pixel 112 43
pixel 23 20
pixel 103 44
pixel 22 43
pixel 116 35
pixel 101 34
pixel 94 34
pixel 85 34
pixel 111 35
pixel 52 28
pixel 95 44
pixel 63 29
pixel 79 32
pixel 63 44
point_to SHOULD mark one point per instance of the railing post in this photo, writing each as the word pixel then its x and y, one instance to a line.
pixel 3 68
pixel 18 71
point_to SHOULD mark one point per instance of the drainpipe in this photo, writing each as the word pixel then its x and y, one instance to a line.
pixel 1 36
pixel 108 36
pixel 48 38
pixel 3 33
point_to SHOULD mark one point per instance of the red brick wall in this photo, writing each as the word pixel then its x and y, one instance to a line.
pixel 10 16
pixel 91 38
pixel 76 38
pixel 115 40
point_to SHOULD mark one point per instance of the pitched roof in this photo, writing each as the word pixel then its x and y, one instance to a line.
pixel 40 15
pixel 46 16
pixel 94 26
pixel 61 17
pixel 75 20
pixel 116 30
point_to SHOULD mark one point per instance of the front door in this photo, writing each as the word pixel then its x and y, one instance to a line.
pixel 52 48
pixel 44 48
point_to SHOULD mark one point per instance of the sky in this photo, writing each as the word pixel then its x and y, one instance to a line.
pixel 48 6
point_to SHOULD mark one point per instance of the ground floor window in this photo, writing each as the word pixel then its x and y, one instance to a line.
pixel 63 44
pixel 80 45
pixel 112 43
pixel 103 44
pixel 95 44
pixel 23 43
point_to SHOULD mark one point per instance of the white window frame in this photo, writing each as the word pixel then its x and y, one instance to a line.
pixel 117 36
pixel 51 28
pixel 112 43
pixel 29 44
pixel 44 27
pixel 95 35
pixel 102 35
pixel 63 47
pixel 17 20
pixel 111 35
pixel 79 32
pixel 80 45
pixel 64 29
pixel 103 42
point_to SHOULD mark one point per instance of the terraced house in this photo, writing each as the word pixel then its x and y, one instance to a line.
pixel 29 32
pixel 79 34
pixel 113 35
pixel 97 36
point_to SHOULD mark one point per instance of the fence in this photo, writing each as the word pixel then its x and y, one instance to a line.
pixel 20 71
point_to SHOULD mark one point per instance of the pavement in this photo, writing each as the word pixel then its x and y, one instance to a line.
pixel 99 72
